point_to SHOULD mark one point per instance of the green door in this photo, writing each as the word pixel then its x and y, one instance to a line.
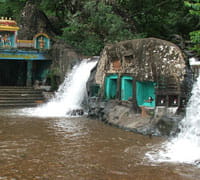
pixel 126 88
pixel 111 86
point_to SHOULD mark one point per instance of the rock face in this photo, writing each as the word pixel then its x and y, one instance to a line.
pixel 33 21
pixel 63 58
pixel 121 115
pixel 146 59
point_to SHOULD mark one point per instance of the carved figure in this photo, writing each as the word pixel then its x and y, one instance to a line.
pixel 41 42
pixel 6 40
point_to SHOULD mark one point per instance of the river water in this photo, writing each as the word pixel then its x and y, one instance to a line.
pixel 79 149
pixel 45 143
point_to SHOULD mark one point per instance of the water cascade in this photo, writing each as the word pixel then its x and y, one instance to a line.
pixel 70 94
pixel 185 148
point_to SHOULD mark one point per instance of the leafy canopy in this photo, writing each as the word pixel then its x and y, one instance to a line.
pixel 194 6
pixel 94 26
pixel 89 24
pixel 11 8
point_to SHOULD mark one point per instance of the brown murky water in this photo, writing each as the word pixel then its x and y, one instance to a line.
pixel 78 149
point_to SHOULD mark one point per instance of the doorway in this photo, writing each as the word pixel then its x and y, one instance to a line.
pixel 126 88
pixel 111 86
pixel 13 73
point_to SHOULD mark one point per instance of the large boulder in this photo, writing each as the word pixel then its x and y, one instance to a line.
pixel 146 59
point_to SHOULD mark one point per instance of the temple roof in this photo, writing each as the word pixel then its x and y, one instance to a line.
pixel 8 25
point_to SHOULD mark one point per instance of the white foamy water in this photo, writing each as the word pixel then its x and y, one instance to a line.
pixel 185 148
pixel 70 94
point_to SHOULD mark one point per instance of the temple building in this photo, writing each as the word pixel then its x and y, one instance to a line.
pixel 22 62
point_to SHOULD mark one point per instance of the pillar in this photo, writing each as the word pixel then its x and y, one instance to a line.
pixel 29 73
pixel 135 105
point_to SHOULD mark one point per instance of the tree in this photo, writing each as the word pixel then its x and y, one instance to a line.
pixel 93 27
pixel 194 6
pixel 89 24
pixel 11 8
pixel 158 18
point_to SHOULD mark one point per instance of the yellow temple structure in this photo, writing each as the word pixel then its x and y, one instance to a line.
pixel 22 62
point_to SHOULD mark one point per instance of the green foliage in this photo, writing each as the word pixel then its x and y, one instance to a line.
pixel 194 6
pixel 157 18
pixel 195 38
pixel 95 26
pixel 89 24
pixel 11 8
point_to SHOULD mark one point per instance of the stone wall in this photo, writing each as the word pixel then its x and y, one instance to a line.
pixel 33 21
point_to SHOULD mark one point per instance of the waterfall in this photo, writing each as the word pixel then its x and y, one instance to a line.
pixel 70 94
pixel 185 147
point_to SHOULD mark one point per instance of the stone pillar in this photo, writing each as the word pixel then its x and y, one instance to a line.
pixel 29 73
pixel 135 106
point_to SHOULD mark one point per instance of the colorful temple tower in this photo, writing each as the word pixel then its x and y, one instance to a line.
pixel 8 33
pixel 22 62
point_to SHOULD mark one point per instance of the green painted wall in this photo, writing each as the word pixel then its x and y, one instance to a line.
pixel 126 88
pixel 143 91
pixel 111 86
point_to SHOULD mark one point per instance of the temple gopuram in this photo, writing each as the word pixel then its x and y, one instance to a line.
pixel 22 62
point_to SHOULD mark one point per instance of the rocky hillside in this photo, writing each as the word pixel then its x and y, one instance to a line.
pixel 34 21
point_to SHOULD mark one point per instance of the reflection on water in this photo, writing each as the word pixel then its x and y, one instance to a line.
pixel 78 149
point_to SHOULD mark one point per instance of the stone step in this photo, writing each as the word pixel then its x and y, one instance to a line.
pixel 17 105
pixel 12 96
pixel 21 95
pixel 15 87
pixel 3 98
pixel 22 101
pixel 20 91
